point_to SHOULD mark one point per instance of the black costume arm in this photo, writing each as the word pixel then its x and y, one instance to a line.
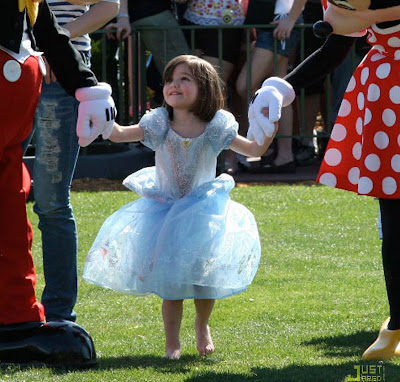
pixel 322 62
pixel 63 58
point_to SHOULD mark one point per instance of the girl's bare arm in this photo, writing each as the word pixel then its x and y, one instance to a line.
pixel 242 145
pixel 132 133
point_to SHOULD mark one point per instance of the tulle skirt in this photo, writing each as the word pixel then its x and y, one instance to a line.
pixel 203 245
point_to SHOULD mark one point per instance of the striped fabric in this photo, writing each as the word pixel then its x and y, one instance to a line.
pixel 66 12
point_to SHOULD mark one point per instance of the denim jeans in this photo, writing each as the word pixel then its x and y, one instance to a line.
pixel 55 158
pixel 56 154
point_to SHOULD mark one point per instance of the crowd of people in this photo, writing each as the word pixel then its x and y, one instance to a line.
pixel 273 52
pixel 185 218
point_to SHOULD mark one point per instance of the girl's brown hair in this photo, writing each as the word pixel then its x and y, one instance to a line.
pixel 211 95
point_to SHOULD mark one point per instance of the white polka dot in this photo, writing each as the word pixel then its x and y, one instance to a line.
pixel 351 85
pixel 365 185
pixel 379 48
pixel 359 125
pixel 361 101
pixel 339 132
pixel 374 92
pixel 394 94
pixel 333 157
pixel 364 75
pixel 372 162
pixel 398 139
pixel 345 108
pixel 395 163
pixel 397 55
pixel 381 140
pixel 328 179
pixel 367 116
pixel 389 117
pixel 394 42
pixel 357 151
pixel 376 57
pixel 389 185
pixel 371 37
pixel 383 71
pixel 354 175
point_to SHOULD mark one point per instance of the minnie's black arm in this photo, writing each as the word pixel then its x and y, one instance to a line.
pixel 322 62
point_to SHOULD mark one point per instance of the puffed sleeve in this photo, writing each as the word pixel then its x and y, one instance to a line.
pixel 222 130
pixel 155 126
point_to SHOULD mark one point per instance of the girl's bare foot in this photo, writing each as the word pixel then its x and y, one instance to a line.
pixel 204 341
pixel 172 352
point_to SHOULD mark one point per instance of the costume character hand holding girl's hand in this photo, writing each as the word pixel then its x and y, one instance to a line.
pixel 274 94
pixel 96 113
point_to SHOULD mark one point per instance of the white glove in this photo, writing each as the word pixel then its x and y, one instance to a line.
pixel 96 113
pixel 274 94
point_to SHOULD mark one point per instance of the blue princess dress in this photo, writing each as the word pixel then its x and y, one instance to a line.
pixel 185 238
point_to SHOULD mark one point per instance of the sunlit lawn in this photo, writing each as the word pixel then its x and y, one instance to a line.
pixel 316 303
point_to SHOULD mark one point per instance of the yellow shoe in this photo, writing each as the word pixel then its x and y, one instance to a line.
pixel 386 346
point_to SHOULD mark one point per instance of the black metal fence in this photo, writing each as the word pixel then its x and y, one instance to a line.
pixel 129 58
pixel 124 64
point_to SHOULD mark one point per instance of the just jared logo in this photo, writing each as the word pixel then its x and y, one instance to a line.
pixel 373 373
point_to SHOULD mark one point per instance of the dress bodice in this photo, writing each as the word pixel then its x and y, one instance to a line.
pixel 183 164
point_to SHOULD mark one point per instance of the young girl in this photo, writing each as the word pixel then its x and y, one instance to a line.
pixel 185 238
pixel 363 154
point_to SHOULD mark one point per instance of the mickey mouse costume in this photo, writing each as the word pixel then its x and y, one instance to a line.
pixel 363 154
pixel 24 335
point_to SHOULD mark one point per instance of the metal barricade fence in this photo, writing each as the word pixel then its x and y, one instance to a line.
pixel 123 65
pixel 133 94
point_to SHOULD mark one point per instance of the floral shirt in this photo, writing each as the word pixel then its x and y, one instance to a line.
pixel 215 12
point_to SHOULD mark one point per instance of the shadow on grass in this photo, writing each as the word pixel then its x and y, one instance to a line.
pixel 297 373
pixel 352 345
pixel 182 365
pixel 336 348
pixel 162 364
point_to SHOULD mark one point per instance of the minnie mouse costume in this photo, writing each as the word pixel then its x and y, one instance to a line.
pixel 363 154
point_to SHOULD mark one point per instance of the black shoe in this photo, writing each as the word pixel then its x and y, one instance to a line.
pixel 58 344
pixel 305 156
pixel 287 168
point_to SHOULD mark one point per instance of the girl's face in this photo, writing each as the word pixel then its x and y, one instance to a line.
pixel 180 91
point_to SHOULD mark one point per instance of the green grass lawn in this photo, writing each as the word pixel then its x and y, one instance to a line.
pixel 316 303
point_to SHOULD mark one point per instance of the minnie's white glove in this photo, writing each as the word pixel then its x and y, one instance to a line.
pixel 96 113
pixel 274 94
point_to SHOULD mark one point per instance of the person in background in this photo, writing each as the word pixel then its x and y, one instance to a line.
pixel 210 13
pixel 56 153
pixel 284 14
pixel 304 150
pixel 163 45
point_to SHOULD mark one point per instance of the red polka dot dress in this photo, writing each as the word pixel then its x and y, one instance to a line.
pixel 363 154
